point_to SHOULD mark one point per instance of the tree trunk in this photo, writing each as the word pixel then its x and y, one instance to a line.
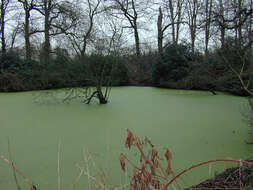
pixel 240 25
pixel 3 42
pixel 193 41
pixel 87 36
pixel 222 37
pixel 137 40
pixel 208 13
pixel 138 52
pixel 159 31
pixel 83 51
pixel 192 22
pixel 47 40
pixel 171 9
pixel 222 28
pixel 46 48
pixel 179 7
pixel 27 35
pixel 101 97
pixel 250 28
pixel 250 37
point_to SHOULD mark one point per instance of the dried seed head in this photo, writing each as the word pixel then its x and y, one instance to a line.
pixel 149 142
pixel 130 139
pixel 168 158
pixel 122 161
pixel 168 155
pixel 154 157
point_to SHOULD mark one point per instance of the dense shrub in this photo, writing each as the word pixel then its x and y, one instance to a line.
pixel 18 74
pixel 176 67
pixel 174 64
pixel 233 54
pixel 109 69
pixel 9 61
pixel 11 82
pixel 139 68
pixel 232 57
pixel 214 71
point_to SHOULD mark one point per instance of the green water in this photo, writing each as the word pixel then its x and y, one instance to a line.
pixel 196 126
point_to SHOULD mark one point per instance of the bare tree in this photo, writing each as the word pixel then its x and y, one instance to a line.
pixel 193 8
pixel 175 16
pixel 173 19
pixel 249 26
pixel 132 13
pixel 235 20
pixel 237 8
pixel 93 10
pixel 3 8
pixel 220 20
pixel 230 16
pixel 160 31
pixel 17 29
pixel 240 4
pixel 28 6
pixel 47 7
pixel 113 34
pixel 55 14
pixel 82 33
pixel 208 21
pixel 129 9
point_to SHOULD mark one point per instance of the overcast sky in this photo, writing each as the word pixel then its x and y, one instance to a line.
pixel 147 27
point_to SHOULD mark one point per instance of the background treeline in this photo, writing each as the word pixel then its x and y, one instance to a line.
pixel 187 44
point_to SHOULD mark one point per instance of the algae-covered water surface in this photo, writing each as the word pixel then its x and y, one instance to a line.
pixel 196 126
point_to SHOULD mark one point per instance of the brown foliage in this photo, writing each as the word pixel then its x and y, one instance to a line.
pixel 168 158
pixel 150 174
pixel 130 139
pixel 122 162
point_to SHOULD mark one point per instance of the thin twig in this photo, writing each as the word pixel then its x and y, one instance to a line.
pixel 58 166
pixel 18 172
pixel 14 172
pixel 86 160
pixel 230 176
pixel 245 87
pixel 240 173
pixel 77 179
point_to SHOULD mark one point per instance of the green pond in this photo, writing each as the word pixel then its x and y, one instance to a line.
pixel 196 126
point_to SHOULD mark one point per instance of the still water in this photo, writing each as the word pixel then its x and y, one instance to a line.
pixel 196 126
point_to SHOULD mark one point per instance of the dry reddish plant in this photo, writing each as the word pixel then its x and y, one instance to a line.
pixel 149 174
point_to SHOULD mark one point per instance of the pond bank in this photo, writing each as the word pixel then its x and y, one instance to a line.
pixel 231 178
pixel 239 92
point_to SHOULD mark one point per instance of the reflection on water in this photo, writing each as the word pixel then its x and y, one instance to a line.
pixel 194 125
